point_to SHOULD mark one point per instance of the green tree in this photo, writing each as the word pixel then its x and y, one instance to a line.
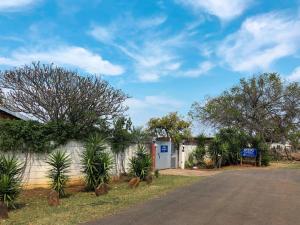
pixel 261 105
pixel 121 138
pixel 172 126
pixel 139 135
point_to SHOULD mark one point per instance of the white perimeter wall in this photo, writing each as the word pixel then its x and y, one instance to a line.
pixel 36 168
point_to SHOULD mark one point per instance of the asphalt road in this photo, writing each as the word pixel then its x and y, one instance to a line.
pixel 249 197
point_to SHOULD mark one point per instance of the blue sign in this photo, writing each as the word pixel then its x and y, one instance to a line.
pixel 164 148
pixel 249 152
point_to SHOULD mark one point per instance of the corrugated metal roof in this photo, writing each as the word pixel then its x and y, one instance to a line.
pixel 15 114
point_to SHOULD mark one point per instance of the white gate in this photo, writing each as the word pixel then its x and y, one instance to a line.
pixel 163 155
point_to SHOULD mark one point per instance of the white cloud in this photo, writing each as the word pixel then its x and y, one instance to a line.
pixel 149 77
pixel 295 75
pixel 260 41
pixel 155 57
pixel 153 53
pixel 102 34
pixel 202 68
pixel 224 9
pixel 73 56
pixel 141 110
pixel 12 5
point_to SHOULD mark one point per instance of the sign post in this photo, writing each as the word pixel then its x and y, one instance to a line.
pixel 248 153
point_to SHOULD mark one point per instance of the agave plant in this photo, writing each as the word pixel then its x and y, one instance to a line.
pixel 10 179
pixel 140 165
pixel 60 162
pixel 96 162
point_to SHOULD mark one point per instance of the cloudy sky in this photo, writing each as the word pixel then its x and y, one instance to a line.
pixel 164 54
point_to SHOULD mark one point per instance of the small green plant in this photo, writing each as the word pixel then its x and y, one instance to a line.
pixel 60 162
pixel 156 173
pixel 96 162
pixel 10 179
pixel 140 165
pixel 190 162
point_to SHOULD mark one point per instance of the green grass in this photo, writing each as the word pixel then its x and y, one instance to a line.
pixel 85 206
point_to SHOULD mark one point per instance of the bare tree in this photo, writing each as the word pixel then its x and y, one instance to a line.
pixel 51 93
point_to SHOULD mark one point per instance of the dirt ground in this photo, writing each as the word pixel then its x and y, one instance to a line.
pixel 188 172
pixel 211 172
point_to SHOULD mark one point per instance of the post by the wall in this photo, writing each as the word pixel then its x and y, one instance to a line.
pixel 182 153
pixel 153 155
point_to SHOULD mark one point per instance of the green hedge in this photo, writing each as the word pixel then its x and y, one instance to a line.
pixel 32 136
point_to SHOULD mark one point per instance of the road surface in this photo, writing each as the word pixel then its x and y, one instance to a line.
pixel 245 197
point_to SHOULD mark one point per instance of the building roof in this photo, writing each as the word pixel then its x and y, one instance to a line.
pixel 14 114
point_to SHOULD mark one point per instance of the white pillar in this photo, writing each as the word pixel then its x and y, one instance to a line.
pixel 182 156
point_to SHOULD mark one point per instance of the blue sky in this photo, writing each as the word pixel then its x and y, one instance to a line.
pixel 164 54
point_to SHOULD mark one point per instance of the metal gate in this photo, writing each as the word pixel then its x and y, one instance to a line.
pixel 166 155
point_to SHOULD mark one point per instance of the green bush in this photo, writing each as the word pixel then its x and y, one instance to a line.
pixel 141 164
pixel 200 151
pixel 228 142
pixel 218 152
pixel 18 135
pixel 32 136
pixel 190 162
pixel 263 149
pixel 10 179
pixel 96 162
pixel 60 163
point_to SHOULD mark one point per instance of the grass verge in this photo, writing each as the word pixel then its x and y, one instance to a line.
pixel 85 206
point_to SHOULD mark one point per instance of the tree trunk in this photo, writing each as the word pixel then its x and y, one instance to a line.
pixel 123 162
pixel 117 164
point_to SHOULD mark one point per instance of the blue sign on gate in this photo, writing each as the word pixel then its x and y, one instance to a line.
pixel 249 152
pixel 164 148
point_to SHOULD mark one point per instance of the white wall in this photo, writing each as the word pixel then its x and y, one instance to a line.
pixel 184 155
pixel 36 168
pixel 188 149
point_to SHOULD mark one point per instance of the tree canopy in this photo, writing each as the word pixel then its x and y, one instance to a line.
pixel 51 93
pixel 172 126
pixel 262 105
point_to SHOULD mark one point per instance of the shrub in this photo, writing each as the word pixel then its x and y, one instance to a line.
pixel 23 136
pixel 218 152
pixel 190 162
pixel 60 163
pixel 10 179
pixel 263 149
pixel 96 162
pixel 140 165
pixel 200 151
pixel 234 140
pixel 32 136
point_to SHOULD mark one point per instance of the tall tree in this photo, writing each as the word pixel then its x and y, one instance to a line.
pixel 262 105
pixel 172 126
pixel 140 136
pixel 121 139
pixel 51 93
